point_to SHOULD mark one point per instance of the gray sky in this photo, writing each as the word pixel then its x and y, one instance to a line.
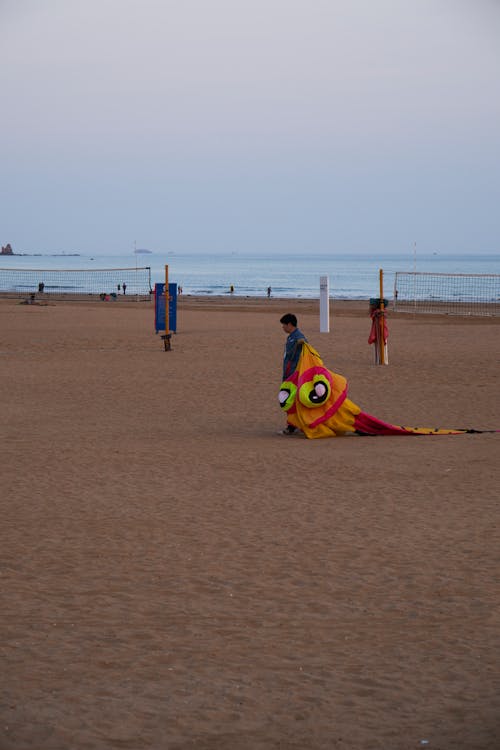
pixel 250 125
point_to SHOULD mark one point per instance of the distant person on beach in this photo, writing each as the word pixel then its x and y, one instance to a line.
pixel 124 288
pixel 118 287
pixel 41 287
pixel 231 289
pixel 293 347
pixel 30 300
pixel 269 290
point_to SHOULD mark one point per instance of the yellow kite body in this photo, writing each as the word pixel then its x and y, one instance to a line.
pixel 315 401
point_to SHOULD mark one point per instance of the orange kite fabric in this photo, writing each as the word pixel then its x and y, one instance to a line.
pixel 315 401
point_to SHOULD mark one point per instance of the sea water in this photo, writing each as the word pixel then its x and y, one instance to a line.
pixel 354 276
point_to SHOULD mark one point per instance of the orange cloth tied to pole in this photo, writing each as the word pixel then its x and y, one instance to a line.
pixel 374 336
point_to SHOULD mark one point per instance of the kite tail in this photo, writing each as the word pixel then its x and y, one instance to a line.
pixel 365 424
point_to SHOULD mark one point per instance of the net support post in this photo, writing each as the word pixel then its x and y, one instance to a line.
pixel 167 336
pixel 167 339
pixel 383 350
pixel 324 304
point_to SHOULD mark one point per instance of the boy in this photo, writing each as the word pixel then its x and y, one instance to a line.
pixel 293 347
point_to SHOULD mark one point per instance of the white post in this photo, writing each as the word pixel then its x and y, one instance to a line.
pixel 324 305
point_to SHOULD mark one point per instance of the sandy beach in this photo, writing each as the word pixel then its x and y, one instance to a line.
pixel 176 574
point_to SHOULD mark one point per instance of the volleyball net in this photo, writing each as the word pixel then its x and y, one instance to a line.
pixel 72 282
pixel 449 294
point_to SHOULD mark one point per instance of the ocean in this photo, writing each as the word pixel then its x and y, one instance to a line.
pixel 289 276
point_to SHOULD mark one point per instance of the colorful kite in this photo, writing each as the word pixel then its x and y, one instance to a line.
pixel 315 401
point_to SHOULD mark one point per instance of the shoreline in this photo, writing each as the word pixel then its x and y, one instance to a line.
pixel 228 303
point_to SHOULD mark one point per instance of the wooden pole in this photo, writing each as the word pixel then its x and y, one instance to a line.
pixel 167 322
pixel 381 318
pixel 167 335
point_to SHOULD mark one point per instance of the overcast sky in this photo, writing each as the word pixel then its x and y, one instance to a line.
pixel 250 125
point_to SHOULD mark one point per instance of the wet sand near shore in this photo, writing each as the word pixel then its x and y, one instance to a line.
pixel 177 574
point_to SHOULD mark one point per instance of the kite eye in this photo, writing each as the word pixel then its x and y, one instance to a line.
pixel 315 392
pixel 287 394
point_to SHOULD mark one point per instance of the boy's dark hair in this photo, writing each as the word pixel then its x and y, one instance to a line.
pixel 289 318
